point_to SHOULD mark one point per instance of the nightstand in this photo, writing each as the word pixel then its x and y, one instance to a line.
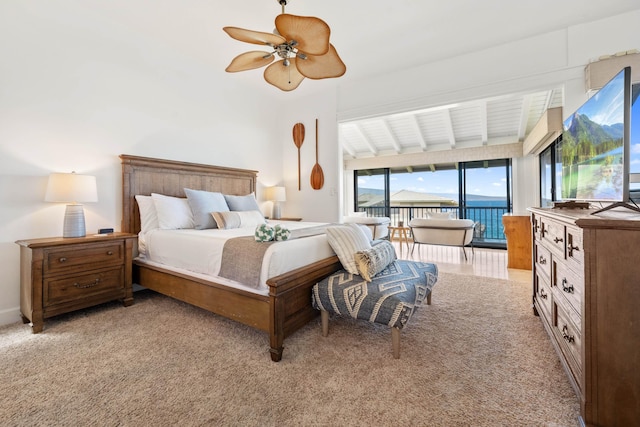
pixel 59 275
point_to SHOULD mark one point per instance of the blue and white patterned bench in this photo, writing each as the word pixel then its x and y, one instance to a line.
pixel 391 298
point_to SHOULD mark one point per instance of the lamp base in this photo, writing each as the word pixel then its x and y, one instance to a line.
pixel 276 210
pixel 74 222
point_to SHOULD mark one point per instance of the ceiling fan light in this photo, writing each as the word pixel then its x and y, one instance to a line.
pixel 286 62
pixel 284 78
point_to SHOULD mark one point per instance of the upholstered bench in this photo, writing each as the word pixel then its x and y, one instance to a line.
pixel 390 298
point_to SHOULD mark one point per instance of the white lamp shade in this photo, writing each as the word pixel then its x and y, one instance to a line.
pixel 71 187
pixel 276 194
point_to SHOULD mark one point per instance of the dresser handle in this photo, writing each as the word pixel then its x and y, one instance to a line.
pixel 87 285
pixel 558 239
pixel 573 248
pixel 542 260
pixel 63 259
pixel 542 294
pixel 567 289
pixel 565 334
pixel 109 252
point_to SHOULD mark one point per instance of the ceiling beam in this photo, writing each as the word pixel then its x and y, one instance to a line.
pixel 391 136
pixel 367 141
pixel 345 145
pixel 448 126
pixel 524 117
pixel 416 128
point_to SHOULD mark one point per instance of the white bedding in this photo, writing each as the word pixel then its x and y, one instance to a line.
pixel 200 251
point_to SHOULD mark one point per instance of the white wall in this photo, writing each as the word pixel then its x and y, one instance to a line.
pixel 75 93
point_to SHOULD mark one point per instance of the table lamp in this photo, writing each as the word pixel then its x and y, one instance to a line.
pixel 276 195
pixel 72 188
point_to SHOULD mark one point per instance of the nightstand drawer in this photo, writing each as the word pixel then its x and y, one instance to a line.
pixel 84 256
pixel 70 288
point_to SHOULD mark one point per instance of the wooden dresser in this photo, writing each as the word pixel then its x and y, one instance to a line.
pixel 58 275
pixel 586 290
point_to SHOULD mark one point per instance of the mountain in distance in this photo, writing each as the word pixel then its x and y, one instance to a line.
pixel 452 196
pixel 581 125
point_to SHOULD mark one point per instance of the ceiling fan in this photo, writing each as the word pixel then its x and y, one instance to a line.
pixel 301 43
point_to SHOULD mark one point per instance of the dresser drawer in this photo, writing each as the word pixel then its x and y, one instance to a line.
pixel 543 295
pixel 568 284
pixel 553 234
pixel 72 288
pixel 83 256
pixel 575 251
pixel 542 259
pixel 570 341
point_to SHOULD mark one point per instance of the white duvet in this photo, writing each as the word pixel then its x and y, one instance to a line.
pixel 200 251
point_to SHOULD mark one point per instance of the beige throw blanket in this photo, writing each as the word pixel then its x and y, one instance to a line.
pixel 242 256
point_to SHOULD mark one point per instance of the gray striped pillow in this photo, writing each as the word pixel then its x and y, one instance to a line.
pixel 346 240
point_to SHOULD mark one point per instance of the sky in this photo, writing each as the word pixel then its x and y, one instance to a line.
pixel 483 181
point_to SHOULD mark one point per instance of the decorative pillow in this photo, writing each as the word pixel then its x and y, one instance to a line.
pixel 367 231
pixel 440 215
pixel 372 261
pixel 230 219
pixel 173 212
pixel 242 203
pixel 346 240
pixel 148 214
pixel 264 233
pixel 282 233
pixel 202 203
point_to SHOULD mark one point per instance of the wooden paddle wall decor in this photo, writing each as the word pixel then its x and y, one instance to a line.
pixel 317 176
pixel 298 139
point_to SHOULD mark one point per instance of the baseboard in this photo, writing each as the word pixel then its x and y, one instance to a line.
pixel 10 315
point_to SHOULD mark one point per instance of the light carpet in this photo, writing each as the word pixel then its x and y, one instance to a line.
pixel 476 357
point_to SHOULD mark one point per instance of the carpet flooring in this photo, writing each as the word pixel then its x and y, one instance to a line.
pixel 476 357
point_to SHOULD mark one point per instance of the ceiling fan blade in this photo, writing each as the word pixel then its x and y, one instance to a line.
pixel 322 66
pixel 249 61
pixel 284 78
pixel 312 34
pixel 255 37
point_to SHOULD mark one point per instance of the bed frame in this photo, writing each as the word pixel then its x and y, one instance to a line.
pixel 287 307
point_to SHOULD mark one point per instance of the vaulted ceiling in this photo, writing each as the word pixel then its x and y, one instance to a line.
pixel 489 121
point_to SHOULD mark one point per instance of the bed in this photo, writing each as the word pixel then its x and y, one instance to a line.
pixel 280 311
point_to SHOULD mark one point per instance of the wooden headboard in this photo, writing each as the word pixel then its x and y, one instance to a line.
pixel 144 175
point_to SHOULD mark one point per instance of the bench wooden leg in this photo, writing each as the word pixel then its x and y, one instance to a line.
pixel 324 317
pixel 395 340
pixel 429 298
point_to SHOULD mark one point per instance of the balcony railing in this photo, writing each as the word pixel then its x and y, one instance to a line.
pixel 488 219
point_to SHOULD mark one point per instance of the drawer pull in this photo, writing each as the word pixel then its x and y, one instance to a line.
pixel 565 334
pixel 573 248
pixel 567 289
pixel 87 285
pixel 558 239
pixel 109 252
pixel 62 259
pixel 542 294
pixel 542 260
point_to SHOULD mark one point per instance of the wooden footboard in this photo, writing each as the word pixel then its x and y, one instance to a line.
pixel 284 311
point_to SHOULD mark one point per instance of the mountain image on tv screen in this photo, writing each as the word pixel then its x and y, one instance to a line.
pixel 593 147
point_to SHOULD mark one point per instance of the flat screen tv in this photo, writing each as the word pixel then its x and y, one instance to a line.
pixel 595 145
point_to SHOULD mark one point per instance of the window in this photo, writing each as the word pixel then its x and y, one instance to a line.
pixel 480 191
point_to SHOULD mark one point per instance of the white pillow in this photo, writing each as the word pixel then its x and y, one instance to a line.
pixel 173 212
pixel 148 215
pixel 202 203
pixel 440 215
pixel 238 219
pixel 346 240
